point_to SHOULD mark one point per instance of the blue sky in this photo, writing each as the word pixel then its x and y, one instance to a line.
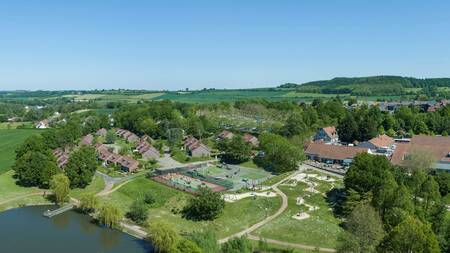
pixel 224 44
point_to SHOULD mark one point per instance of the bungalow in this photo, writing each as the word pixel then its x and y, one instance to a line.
pixel 128 164
pixel 225 134
pixel 87 140
pixel 327 134
pixel 43 124
pixel 382 144
pixel 127 135
pixel 331 154
pixel 101 132
pixel 147 151
pixel 196 148
pixel 62 157
pixel 251 139
pixel 438 146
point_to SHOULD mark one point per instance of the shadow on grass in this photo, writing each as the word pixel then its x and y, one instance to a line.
pixel 335 199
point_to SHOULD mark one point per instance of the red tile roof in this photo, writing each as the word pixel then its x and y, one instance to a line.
pixel 382 141
pixel 334 152
pixel 439 146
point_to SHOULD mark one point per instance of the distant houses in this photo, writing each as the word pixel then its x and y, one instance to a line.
pixel 101 132
pixel 196 148
pixel 332 154
pixel 87 140
pixel 225 134
pixel 327 135
pixel 127 135
pixel 43 124
pixel 251 139
pixel 62 157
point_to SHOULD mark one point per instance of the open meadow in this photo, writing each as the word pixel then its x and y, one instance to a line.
pixel 10 139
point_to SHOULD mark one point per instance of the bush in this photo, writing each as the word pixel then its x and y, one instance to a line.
pixel 138 212
pixel 208 205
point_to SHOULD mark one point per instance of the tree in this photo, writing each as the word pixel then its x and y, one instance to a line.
pixel 60 185
pixel 364 228
pixel 110 136
pixel 443 180
pixel 294 125
pixel 411 236
pixel 162 236
pixel 372 174
pixel 88 203
pixel 81 167
pixel 185 246
pixel 207 241
pixel 35 168
pixel 419 158
pixel 236 150
pixel 34 143
pixel 138 212
pixel 347 129
pixel 149 198
pixel 208 205
pixel 238 245
pixel 109 215
pixel 279 154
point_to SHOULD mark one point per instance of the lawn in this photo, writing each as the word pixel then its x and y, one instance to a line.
pixel 94 187
pixel 236 216
pixel 321 229
pixel 10 139
pixel 14 125
pixel 250 164
pixel 11 193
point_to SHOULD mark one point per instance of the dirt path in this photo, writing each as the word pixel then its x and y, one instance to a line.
pixel 255 226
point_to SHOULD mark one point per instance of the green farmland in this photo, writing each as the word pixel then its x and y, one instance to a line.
pixel 10 139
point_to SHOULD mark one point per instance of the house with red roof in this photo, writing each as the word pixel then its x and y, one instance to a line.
pixel 327 135
pixel 251 139
pixel 382 144
pixel 225 134
pixel 196 148
pixel 333 154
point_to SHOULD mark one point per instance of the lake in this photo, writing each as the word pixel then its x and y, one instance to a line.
pixel 25 230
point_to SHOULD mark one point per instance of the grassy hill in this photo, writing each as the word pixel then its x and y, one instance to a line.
pixel 10 139
pixel 370 86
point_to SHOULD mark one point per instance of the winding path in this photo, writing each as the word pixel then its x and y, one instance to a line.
pixel 255 226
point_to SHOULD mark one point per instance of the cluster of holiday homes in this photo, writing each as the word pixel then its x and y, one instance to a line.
pixel 196 148
pixel 325 148
pixel 225 134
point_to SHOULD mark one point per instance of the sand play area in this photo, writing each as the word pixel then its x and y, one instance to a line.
pixel 236 197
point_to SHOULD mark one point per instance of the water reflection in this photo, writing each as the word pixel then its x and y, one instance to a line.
pixel 25 230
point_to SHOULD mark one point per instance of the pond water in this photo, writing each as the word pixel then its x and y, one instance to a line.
pixel 25 230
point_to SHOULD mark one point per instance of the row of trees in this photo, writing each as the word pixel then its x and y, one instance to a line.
pixel 36 165
pixel 391 210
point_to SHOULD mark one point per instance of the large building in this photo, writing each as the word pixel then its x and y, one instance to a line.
pixel 437 146
pixel 327 135
pixel 333 154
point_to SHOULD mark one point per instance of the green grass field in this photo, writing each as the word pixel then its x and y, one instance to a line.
pixel 237 216
pixel 12 195
pixel 321 229
pixel 94 187
pixel 10 139
pixel 14 125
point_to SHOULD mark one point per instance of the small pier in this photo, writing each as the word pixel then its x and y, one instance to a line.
pixel 50 214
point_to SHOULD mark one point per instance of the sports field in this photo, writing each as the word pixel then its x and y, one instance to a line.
pixel 240 176
pixel 10 139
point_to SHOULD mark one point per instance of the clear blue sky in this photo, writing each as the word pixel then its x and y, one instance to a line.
pixel 225 44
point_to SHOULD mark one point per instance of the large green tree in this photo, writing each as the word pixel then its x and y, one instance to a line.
pixel 279 154
pixel 35 168
pixel 207 205
pixel 81 166
pixel 236 150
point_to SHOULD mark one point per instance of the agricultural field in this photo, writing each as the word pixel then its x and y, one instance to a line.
pixel 114 97
pixel 10 139
pixel 15 125
pixel 237 216
pixel 319 228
